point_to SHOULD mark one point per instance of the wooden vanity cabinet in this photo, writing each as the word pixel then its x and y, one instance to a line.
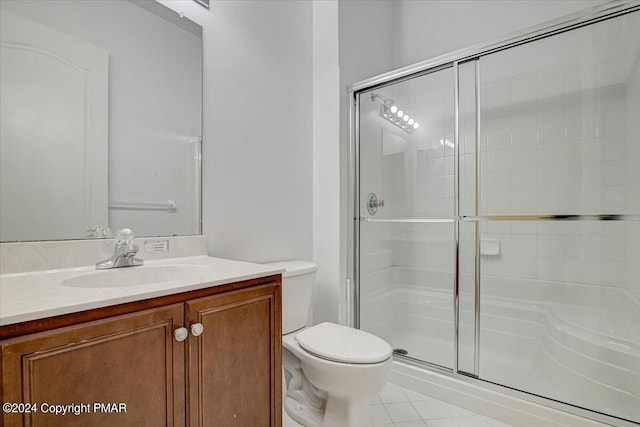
pixel 131 359
pixel 230 375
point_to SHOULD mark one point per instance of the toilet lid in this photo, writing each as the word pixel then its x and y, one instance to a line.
pixel 343 344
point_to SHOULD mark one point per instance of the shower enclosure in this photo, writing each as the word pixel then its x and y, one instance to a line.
pixel 497 213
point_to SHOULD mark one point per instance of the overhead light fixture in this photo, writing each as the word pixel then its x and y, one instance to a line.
pixel 392 113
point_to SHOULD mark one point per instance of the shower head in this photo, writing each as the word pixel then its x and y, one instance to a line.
pixel 386 102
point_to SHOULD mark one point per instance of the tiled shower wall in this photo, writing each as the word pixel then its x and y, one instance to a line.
pixel 571 152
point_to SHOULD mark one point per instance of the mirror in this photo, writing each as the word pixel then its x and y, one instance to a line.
pixel 101 118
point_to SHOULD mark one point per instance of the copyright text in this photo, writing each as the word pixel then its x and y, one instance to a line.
pixel 68 409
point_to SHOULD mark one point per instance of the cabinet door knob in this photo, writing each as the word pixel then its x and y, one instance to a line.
pixel 197 329
pixel 181 334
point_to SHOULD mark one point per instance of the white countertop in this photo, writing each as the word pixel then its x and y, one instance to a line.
pixel 41 294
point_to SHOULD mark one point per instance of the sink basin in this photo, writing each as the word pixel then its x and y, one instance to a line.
pixel 138 276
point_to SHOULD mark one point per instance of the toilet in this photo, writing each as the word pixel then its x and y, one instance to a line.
pixel 329 370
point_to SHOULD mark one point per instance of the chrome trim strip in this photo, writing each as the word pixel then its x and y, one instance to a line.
pixel 407 220
pixel 565 23
pixel 456 213
pixel 349 222
pixel 199 180
pixel 421 73
pixel 354 108
pixel 476 337
pixel 601 217
pixel 484 218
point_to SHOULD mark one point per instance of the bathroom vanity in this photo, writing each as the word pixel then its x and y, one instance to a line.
pixel 184 339
pixel 205 351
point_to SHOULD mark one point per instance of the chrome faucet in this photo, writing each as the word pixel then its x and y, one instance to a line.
pixel 124 254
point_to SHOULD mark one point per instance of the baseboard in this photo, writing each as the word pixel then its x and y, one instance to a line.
pixel 485 401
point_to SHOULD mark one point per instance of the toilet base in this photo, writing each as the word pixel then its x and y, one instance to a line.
pixel 339 413
pixel 342 412
pixel 307 416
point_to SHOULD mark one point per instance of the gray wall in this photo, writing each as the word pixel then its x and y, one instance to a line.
pixel 257 153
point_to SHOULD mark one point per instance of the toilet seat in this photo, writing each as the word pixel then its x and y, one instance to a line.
pixel 343 344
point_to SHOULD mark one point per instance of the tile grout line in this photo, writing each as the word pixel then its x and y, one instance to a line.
pixel 452 419
pixel 385 410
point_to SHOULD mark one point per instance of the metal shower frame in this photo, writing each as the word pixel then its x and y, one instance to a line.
pixel 454 60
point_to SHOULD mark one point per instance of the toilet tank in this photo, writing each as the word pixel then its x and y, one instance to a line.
pixel 297 285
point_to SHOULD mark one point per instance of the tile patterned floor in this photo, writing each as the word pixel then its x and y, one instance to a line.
pixel 395 406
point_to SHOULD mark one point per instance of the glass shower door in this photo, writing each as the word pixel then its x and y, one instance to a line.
pixel 558 222
pixel 498 219
pixel 406 225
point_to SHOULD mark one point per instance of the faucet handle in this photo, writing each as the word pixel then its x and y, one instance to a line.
pixel 124 236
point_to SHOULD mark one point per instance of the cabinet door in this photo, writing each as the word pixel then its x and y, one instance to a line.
pixel 234 367
pixel 132 360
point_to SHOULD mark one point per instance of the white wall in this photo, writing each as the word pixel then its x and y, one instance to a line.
pixel 279 62
pixel 425 29
pixel 257 151
pixel 326 161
